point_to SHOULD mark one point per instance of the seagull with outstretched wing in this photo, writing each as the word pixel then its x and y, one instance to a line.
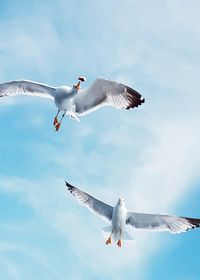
pixel 74 101
pixel 119 217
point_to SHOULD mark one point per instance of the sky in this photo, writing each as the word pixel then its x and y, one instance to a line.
pixel 149 155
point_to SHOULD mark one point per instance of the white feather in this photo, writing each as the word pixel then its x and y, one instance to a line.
pixel 103 93
pixel 26 88
pixel 156 222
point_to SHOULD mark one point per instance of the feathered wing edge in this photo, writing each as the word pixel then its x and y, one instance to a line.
pixel 96 206
pixel 26 87
pixel 104 92
pixel 156 222
pixel 134 97
pixel 195 223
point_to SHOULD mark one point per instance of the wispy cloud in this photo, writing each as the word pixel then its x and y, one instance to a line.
pixel 149 155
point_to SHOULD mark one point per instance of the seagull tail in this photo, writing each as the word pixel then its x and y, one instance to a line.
pixel 126 238
pixel 74 117
pixel 106 231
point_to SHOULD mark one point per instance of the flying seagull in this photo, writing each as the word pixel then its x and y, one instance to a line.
pixel 74 101
pixel 119 217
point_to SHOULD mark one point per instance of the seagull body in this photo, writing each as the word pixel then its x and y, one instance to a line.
pixel 63 98
pixel 118 221
pixel 119 217
pixel 74 101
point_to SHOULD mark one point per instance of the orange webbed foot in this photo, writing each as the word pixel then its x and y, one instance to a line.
pixel 119 243
pixel 108 241
pixel 57 126
pixel 55 122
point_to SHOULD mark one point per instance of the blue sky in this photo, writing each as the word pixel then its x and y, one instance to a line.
pixel 150 155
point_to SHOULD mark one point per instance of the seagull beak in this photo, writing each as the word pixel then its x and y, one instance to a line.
pixel 77 86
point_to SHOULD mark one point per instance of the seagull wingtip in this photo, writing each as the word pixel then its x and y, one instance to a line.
pixel 69 187
pixel 67 184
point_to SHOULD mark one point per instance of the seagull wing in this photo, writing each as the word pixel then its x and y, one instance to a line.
pixel 104 92
pixel 26 88
pixel 99 207
pixel 157 222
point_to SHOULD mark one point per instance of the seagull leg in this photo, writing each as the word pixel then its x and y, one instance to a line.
pixel 57 126
pixel 109 241
pixel 119 242
pixel 55 122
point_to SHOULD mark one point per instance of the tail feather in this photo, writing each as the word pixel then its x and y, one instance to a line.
pixel 73 116
pixel 126 237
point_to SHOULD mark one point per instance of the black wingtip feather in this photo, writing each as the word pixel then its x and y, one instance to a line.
pixel 194 222
pixel 135 98
pixel 69 187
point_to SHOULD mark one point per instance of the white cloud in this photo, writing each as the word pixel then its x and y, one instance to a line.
pixel 157 180
pixel 149 155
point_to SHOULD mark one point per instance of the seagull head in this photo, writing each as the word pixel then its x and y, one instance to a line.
pixel 78 85
pixel 121 201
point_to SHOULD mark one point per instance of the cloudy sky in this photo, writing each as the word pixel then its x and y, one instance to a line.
pixel 149 155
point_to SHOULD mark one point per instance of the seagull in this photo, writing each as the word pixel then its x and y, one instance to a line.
pixel 74 101
pixel 119 217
